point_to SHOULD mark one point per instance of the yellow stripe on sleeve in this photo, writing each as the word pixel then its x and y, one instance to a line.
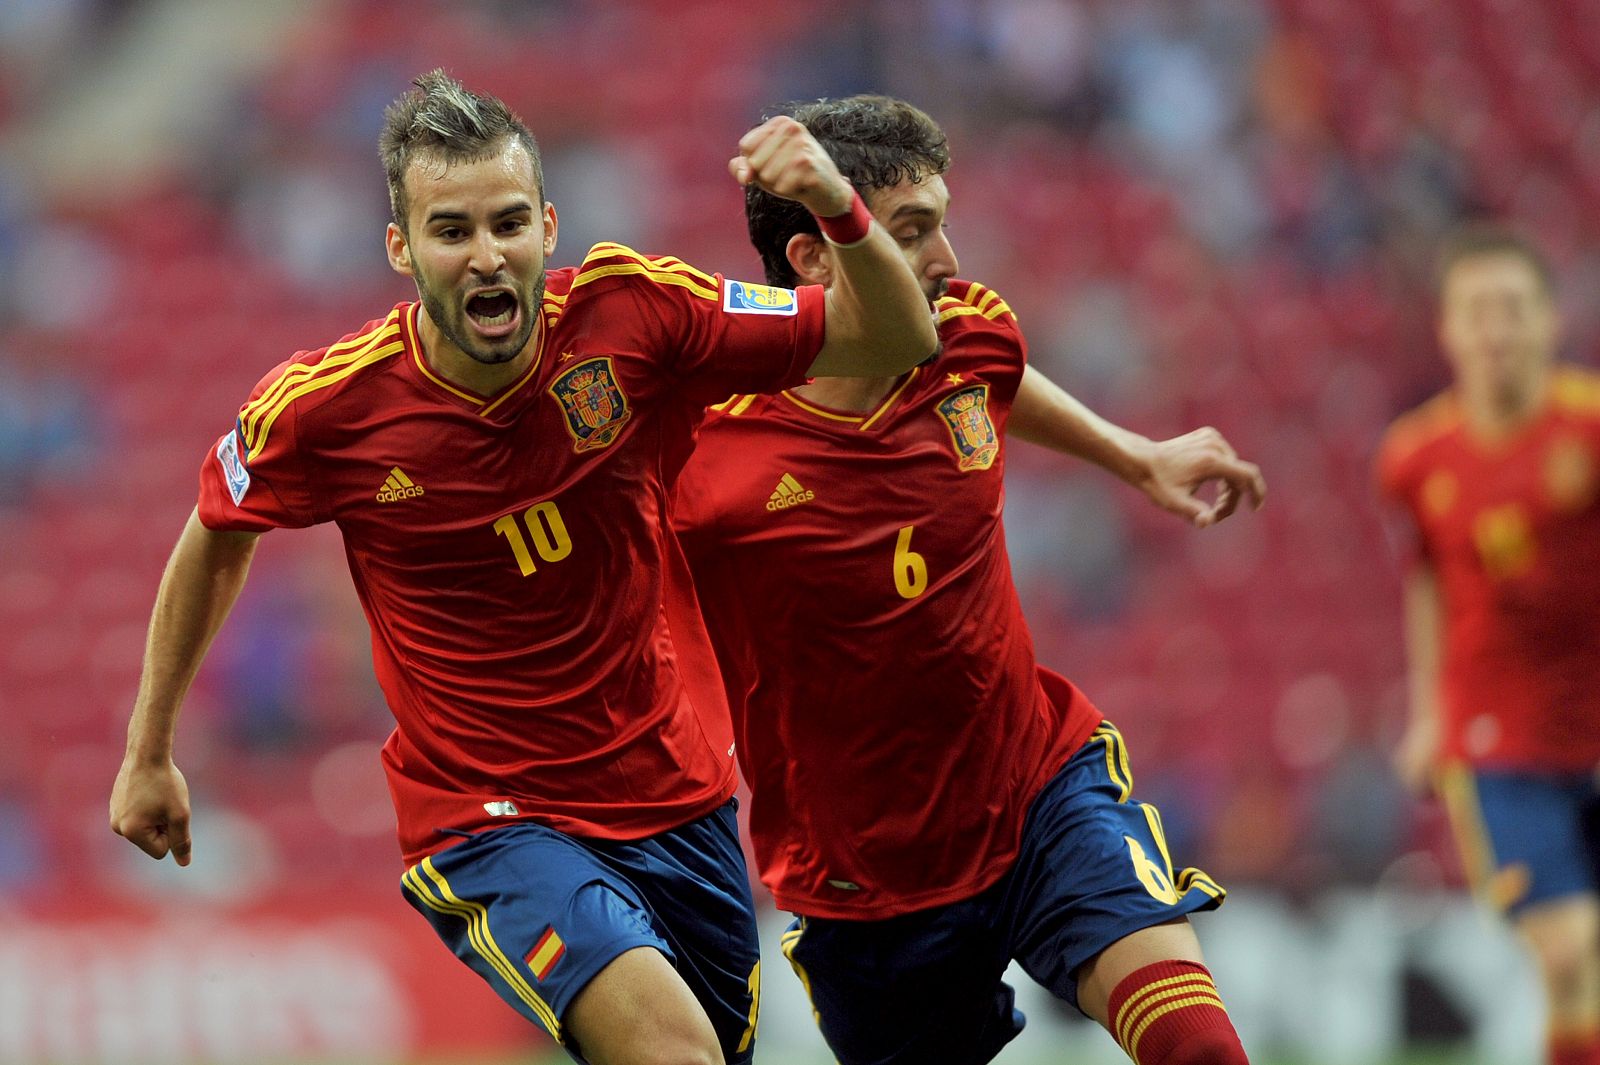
pixel 336 356
pixel 476 916
pixel 265 428
pixel 660 277
pixel 666 262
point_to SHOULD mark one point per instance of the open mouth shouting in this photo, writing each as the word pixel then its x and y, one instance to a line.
pixel 494 313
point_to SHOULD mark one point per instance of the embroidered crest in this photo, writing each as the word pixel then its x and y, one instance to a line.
pixel 966 415
pixel 595 407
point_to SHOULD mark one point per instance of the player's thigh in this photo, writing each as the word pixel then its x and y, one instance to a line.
pixel 534 913
pixel 1094 871
pixel 697 886
pixel 1525 838
pixel 922 987
pixel 638 1011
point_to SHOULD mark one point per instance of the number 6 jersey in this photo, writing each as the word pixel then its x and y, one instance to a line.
pixel 893 724
pixel 532 625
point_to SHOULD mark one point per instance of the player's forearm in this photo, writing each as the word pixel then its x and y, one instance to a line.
pixel 202 580
pixel 879 322
pixel 1046 415
pixel 1424 625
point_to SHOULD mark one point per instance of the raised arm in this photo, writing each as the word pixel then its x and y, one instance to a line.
pixel 1417 755
pixel 1170 472
pixel 150 800
pixel 878 320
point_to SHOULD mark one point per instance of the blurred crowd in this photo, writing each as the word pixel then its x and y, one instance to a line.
pixel 1203 212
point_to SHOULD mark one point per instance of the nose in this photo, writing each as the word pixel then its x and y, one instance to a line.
pixel 488 257
pixel 941 263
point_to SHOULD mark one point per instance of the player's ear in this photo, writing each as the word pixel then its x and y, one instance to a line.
pixel 549 230
pixel 811 258
pixel 399 250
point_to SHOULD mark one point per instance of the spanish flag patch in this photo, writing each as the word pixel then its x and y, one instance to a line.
pixel 545 953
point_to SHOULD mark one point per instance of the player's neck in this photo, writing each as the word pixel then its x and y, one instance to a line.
pixel 857 395
pixel 1494 418
pixel 460 369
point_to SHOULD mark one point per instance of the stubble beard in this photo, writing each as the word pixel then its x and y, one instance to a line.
pixel 451 322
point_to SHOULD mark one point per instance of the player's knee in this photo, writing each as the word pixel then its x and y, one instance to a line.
pixel 1568 966
pixel 679 1053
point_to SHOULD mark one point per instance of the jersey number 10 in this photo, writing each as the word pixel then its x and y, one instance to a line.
pixel 545 528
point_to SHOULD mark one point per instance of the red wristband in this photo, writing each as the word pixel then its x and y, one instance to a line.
pixel 848 229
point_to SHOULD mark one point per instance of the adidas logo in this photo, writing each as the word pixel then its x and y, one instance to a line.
pixel 789 494
pixel 398 486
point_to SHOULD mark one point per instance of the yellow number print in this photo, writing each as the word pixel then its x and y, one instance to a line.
pixel 545 528
pixel 1504 538
pixel 1155 876
pixel 910 570
pixel 754 984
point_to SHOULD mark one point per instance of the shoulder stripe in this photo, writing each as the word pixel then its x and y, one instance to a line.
pixel 335 356
pixel 660 277
pixel 742 406
pixel 956 312
pixel 1417 428
pixel 664 262
pixel 1576 390
pixel 257 441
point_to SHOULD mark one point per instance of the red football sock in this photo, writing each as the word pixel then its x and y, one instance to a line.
pixel 1170 1014
pixel 1575 1050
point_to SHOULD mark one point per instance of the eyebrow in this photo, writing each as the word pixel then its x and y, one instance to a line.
pixel 462 216
pixel 909 209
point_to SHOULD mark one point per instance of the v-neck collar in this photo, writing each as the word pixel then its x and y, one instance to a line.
pixel 481 405
pixel 854 420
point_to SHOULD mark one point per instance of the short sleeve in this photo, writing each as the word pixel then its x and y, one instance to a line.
pixel 1395 470
pixel 254 478
pixel 717 336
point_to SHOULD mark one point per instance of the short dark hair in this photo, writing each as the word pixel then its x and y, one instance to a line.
pixel 876 142
pixel 442 117
pixel 1475 239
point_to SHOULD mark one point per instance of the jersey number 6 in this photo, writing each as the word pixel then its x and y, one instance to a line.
pixel 545 528
pixel 910 569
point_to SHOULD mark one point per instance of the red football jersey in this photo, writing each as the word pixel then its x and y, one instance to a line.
pixel 532 624
pixel 893 724
pixel 1512 530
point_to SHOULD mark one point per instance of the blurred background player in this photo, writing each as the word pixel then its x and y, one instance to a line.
pixel 496 456
pixel 1498 479
pixel 928 800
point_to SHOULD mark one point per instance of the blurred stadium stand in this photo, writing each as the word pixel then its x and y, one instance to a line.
pixel 1203 211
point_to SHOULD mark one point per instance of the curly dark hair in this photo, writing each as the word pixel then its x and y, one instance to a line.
pixel 876 142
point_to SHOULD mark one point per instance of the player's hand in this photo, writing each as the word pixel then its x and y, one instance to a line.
pixel 150 809
pixel 1417 754
pixel 782 156
pixel 1181 467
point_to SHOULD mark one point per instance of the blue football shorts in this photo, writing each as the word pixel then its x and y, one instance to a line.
pixel 538 913
pixel 927 986
pixel 1525 838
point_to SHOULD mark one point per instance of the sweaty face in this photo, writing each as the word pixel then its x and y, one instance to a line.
pixel 913 213
pixel 478 239
pixel 1498 326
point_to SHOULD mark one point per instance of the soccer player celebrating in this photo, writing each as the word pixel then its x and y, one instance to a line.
pixel 926 798
pixel 498 456
pixel 1499 478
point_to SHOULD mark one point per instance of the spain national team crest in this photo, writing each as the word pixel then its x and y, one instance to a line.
pixel 966 415
pixel 595 407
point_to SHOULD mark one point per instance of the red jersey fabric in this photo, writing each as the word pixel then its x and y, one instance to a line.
pixel 1512 530
pixel 893 724
pixel 532 624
